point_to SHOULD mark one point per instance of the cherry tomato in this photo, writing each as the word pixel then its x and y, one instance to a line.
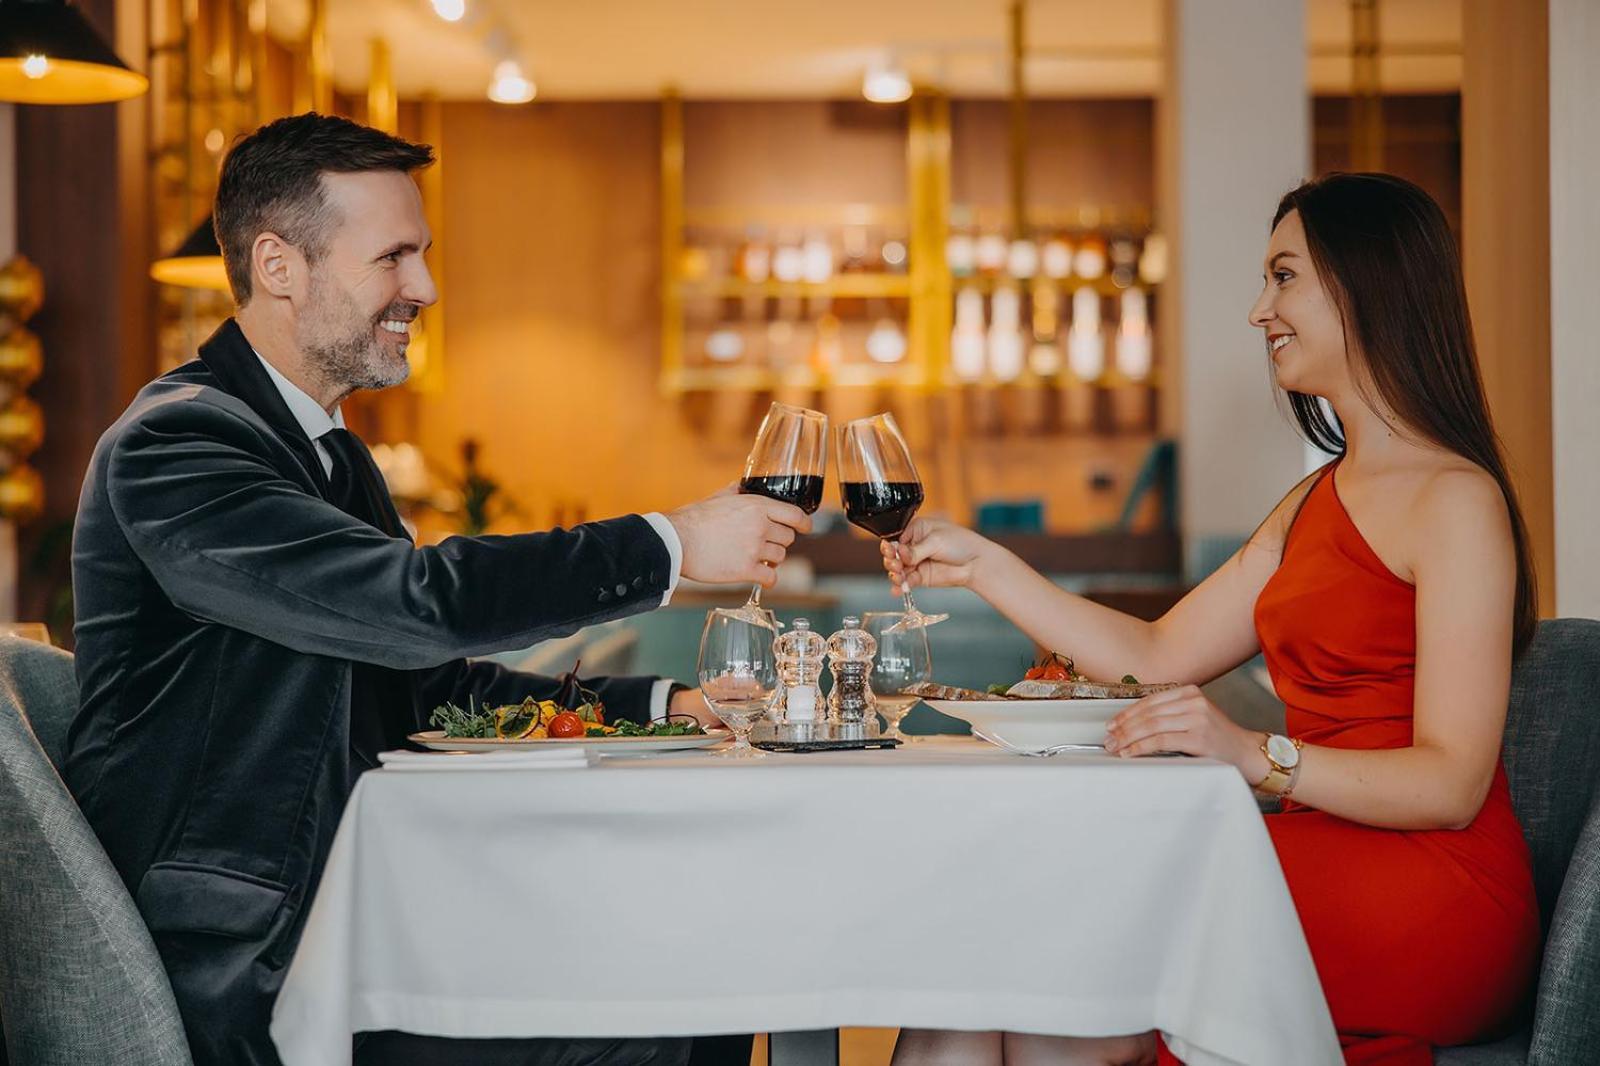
pixel 1055 672
pixel 567 724
pixel 1034 673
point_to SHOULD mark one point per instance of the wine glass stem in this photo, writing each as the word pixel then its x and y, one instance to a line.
pixel 755 596
pixel 905 595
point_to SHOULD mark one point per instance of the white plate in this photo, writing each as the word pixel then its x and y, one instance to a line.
pixel 1035 724
pixel 435 740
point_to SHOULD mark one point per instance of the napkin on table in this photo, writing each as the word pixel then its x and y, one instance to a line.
pixel 563 757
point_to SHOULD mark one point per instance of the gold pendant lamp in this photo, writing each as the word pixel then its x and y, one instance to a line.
pixel 194 264
pixel 49 54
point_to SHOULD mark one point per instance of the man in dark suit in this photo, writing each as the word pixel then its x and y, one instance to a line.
pixel 255 625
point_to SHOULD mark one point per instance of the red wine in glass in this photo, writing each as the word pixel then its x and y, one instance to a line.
pixel 883 509
pixel 880 488
pixel 787 462
pixel 802 490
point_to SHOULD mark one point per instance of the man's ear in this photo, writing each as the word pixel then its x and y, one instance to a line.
pixel 276 266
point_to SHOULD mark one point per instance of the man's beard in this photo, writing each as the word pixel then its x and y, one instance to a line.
pixel 340 343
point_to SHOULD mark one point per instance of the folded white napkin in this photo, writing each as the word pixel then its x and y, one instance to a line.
pixel 563 757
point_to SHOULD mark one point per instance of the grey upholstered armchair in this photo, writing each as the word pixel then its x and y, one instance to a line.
pixel 1552 756
pixel 80 981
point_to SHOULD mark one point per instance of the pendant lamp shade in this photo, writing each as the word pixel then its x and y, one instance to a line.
pixel 49 54
pixel 197 262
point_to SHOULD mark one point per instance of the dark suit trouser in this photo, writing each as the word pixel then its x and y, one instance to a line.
pixel 391 1048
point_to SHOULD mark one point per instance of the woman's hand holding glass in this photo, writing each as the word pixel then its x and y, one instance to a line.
pixel 933 553
pixel 1184 720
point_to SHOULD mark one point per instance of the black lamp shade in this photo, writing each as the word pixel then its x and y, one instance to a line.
pixel 197 262
pixel 49 54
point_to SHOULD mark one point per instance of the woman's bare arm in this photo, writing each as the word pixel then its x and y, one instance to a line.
pixel 1464 562
pixel 1210 631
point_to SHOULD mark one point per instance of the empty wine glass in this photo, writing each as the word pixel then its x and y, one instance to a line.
pixel 738 674
pixel 880 489
pixel 787 462
pixel 903 660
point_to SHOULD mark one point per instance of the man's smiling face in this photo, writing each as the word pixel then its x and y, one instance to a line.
pixel 369 285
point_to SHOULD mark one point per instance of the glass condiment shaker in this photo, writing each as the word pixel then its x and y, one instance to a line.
pixel 799 653
pixel 850 703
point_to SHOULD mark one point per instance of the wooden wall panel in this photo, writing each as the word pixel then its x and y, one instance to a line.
pixel 1505 187
pixel 81 216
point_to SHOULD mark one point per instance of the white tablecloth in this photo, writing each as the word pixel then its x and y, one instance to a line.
pixel 941 885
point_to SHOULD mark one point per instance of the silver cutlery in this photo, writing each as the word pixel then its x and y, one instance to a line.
pixel 1039 753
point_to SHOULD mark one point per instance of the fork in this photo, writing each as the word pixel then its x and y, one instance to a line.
pixel 1039 753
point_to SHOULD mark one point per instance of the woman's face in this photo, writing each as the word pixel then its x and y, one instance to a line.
pixel 1305 337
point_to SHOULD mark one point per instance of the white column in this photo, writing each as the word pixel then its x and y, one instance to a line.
pixel 1574 312
pixel 1235 137
pixel 8 248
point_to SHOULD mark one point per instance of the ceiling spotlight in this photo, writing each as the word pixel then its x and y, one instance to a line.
pixel 509 85
pixel 450 10
pixel 886 83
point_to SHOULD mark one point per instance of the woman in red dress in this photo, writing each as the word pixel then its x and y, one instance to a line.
pixel 1389 593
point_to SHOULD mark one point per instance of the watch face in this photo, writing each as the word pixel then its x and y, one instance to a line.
pixel 1282 750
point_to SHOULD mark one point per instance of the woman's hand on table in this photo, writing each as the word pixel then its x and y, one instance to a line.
pixel 1184 720
pixel 932 553
pixel 692 702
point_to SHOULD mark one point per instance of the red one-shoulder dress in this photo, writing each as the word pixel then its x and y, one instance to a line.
pixel 1420 937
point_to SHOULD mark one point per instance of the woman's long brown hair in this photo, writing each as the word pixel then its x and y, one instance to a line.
pixel 1386 254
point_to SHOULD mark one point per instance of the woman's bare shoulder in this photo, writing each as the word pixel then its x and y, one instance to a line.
pixel 1274 529
pixel 1457 498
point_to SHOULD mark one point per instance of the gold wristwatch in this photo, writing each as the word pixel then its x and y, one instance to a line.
pixel 1283 754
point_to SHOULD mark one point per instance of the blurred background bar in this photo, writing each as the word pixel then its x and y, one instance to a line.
pixel 1028 228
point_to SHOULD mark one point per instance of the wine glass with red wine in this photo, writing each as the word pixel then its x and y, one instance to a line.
pixel 787 462
pixel 881 489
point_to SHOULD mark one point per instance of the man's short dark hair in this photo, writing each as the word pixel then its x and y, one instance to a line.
pixel 272 181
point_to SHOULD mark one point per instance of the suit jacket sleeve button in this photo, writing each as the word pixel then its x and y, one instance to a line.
pixel 605 595
pixel 638 582
pixel 622 590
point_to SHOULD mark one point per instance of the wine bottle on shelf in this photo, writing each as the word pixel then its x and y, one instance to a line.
pixel 1134 353
pixel 1089 262
pixel 1005 333
pixel 967 336
pixel 1055 258
pixel 1044 356
pixel 1022 259
pixel 990 253
pixel 1086 345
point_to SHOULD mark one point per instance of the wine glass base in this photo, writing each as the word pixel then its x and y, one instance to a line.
pixel 756 616
pixel 741 752
pixel 917 620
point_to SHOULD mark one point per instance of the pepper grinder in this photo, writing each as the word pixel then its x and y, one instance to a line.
pixel 850 703
pixel 799 654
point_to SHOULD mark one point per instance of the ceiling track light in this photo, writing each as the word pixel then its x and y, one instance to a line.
pixel 450 10
pixel 886 83
pixel 510 85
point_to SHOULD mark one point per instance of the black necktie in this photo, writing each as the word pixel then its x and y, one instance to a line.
pixel 355 486
pixel 381 711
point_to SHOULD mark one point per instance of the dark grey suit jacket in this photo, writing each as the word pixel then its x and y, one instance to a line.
pixel 221 602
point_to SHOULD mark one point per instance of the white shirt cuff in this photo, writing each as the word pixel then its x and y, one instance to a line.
pixel 669 537
pixel 659 693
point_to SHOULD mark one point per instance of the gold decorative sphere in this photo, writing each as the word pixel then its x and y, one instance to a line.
pixel 21 288
pixel 21 358
pixel 21 427
pixel 21 494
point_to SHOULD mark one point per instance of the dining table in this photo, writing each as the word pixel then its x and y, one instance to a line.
pixel 942 884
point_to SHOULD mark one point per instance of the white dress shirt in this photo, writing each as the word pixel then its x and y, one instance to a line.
pixel 316 422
